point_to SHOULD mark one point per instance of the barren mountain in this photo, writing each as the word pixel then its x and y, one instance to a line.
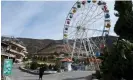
pixel 42 45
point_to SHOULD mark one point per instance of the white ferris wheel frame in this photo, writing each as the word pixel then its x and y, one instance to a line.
pixel 89 40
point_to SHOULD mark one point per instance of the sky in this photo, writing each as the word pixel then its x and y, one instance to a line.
pixel 39 19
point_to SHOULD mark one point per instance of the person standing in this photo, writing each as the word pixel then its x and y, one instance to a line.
pixel 50 67
pixel 41 71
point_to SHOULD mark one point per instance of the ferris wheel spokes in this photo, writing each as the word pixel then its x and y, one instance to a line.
pixel 89 10
pixel 91 18
pixel 83 28
pixel 93 21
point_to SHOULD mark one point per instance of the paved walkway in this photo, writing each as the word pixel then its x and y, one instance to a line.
pixel 77 75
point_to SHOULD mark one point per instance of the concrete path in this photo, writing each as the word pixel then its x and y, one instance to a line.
pixel 77 75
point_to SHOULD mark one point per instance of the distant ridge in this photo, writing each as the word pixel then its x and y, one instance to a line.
pixel 36 45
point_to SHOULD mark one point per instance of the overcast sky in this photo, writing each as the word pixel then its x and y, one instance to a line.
pixel 40 20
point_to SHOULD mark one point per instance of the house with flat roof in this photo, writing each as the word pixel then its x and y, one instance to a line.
pixel 11 48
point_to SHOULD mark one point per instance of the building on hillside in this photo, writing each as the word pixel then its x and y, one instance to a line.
pixel 58 50
pixel 13 49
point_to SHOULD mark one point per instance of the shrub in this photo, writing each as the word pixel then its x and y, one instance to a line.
pixel 34 65
pixel 50 67
pixel 25 59
pixel 46 67
pixel 98 75
pixel 56 68
pixel 27 66
pixel 39 65
pixel 44 59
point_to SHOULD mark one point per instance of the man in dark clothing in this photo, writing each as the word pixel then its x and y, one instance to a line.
pixel 50 67
pixel 41 71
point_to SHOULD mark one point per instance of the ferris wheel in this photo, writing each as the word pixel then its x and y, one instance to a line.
pixel 85 28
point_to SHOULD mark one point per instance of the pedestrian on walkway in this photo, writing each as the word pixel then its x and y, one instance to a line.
pixel 41 71
pixel 50 67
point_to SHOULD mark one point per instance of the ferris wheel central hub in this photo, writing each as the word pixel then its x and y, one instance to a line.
pixel 80 28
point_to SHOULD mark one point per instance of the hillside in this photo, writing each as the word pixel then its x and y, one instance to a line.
pixel 37 45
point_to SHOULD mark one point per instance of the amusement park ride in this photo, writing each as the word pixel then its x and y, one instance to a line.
pixel 86 27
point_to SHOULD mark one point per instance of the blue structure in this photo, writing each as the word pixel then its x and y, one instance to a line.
pixel 97 54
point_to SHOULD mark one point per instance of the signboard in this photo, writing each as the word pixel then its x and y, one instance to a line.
pixel 8 63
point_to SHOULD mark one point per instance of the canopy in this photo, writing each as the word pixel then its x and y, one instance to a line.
pixel 66 60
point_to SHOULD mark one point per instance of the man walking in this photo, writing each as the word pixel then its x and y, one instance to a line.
pixel 41 71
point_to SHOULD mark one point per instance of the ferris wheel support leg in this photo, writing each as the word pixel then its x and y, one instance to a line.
pixel 73 48
pixel 91 66
pixel 89 47
pixel 82 41
pixel 74 45
pixel 85 45
pixel 85 48
pixel 79 51
pixel 91 53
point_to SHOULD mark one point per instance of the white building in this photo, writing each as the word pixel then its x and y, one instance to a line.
pixel 12 49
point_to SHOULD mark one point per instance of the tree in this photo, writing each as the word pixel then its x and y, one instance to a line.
pixel 124 24
pixel 118 63
pixel 29 56
pixel 44 58
pixel 46 67
pixel 35 57
pixel 51 57
pixel 33 65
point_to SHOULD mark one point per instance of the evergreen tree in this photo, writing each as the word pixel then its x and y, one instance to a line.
pixel 124 24
pixel 118 63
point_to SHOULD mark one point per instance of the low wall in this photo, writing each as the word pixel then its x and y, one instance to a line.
pixel 36 72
